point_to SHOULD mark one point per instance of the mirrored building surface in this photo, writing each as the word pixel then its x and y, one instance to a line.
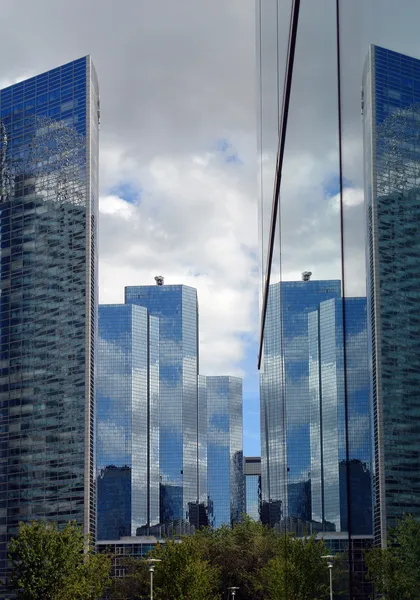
pixel 128 421
pixel 48 222
pixel 177 309
pixel 285 399
pixel 225 474
pixel 391 100
pixel 340 423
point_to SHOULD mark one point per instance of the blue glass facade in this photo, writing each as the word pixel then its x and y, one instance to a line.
pixel 177 309
pixel 48 221
pixel 391 97
pixel 285 399
pixel 252 475
pixel 128 421
pixel 340 416
pixel 225 474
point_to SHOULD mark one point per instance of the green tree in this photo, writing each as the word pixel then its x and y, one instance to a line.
pixel 298 571
pixel 184 572
pixel 48 564
pixel 395 570
pixel 135 584
pixel 240 554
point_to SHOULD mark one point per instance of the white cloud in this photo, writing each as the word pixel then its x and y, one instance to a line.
pixel 186 226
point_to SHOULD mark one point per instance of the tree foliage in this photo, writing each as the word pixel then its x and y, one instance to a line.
pixel 255 558
pixel 298 571
pixel 395 570
pixel 48 564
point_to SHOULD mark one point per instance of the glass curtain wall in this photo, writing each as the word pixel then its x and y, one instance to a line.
pixel 339 201
pixel 380 101
pixel 48 220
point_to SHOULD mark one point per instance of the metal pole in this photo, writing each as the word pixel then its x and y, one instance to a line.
pixel 151 582
pixel 331 585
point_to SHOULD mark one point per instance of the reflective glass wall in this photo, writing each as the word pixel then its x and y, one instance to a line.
pixel 128 421
pixel 177 309
pixel 338 162
pixel 48 219
pixel 380 155
pixel 225 474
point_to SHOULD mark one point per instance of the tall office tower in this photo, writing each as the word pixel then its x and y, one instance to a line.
pixel 48 221
pixel 341 486
pixel 252 475
pixel 177 309
pixel 225 474
pixel 285 401
pixel 391 97
pixel 201 518
pixel 128 421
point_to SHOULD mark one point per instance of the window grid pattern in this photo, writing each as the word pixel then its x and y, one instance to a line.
pixel 177 309
pixel 391 90
pixel 128 434
pixel 225 476
pixel 333 465
pixel 285 399
pixel 48 192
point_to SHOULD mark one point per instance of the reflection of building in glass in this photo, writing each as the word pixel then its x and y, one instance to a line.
pixel 252 474
pixel 128 420
pixel 391 109
pixel 340 424
pixel 177 309
pixel 225 485
pixel 48 220
pixel 285 399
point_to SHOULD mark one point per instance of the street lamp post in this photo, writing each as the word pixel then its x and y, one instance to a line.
pixel 151 562
pixel 233 591
pixel 330 563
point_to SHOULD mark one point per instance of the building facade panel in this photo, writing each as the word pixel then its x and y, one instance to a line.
pixel 48 221
pixel 127 431
pixel 341 473
pixel 177 309
pixel 225 483
pixel 252 475
pixel 285 399
pixel 391 97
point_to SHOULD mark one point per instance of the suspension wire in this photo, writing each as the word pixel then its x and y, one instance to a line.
pixel 288 76
pixel 343 301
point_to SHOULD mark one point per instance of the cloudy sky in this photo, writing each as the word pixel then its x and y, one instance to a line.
pixel 178 145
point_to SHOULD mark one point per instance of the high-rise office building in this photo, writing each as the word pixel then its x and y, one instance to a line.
pixel 341 496
pixel 177 309
pixel 128 421
pixel 225 484
pixel 201 518
pixel 391 97
pixel 48 221
pixel 285 400
pixel 252 475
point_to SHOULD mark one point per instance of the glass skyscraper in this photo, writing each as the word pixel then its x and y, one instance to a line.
pixel 285 400
pixel 48 223
pixel 128 421
pixel 177 309
pixel 340 429
pixel 225 474
pixel 252 475
pixel 391 100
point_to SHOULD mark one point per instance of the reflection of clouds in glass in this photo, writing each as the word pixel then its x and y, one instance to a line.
pixel 113 444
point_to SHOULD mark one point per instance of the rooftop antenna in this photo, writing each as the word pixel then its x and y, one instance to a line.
pixel 159 279
pixel 306 275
